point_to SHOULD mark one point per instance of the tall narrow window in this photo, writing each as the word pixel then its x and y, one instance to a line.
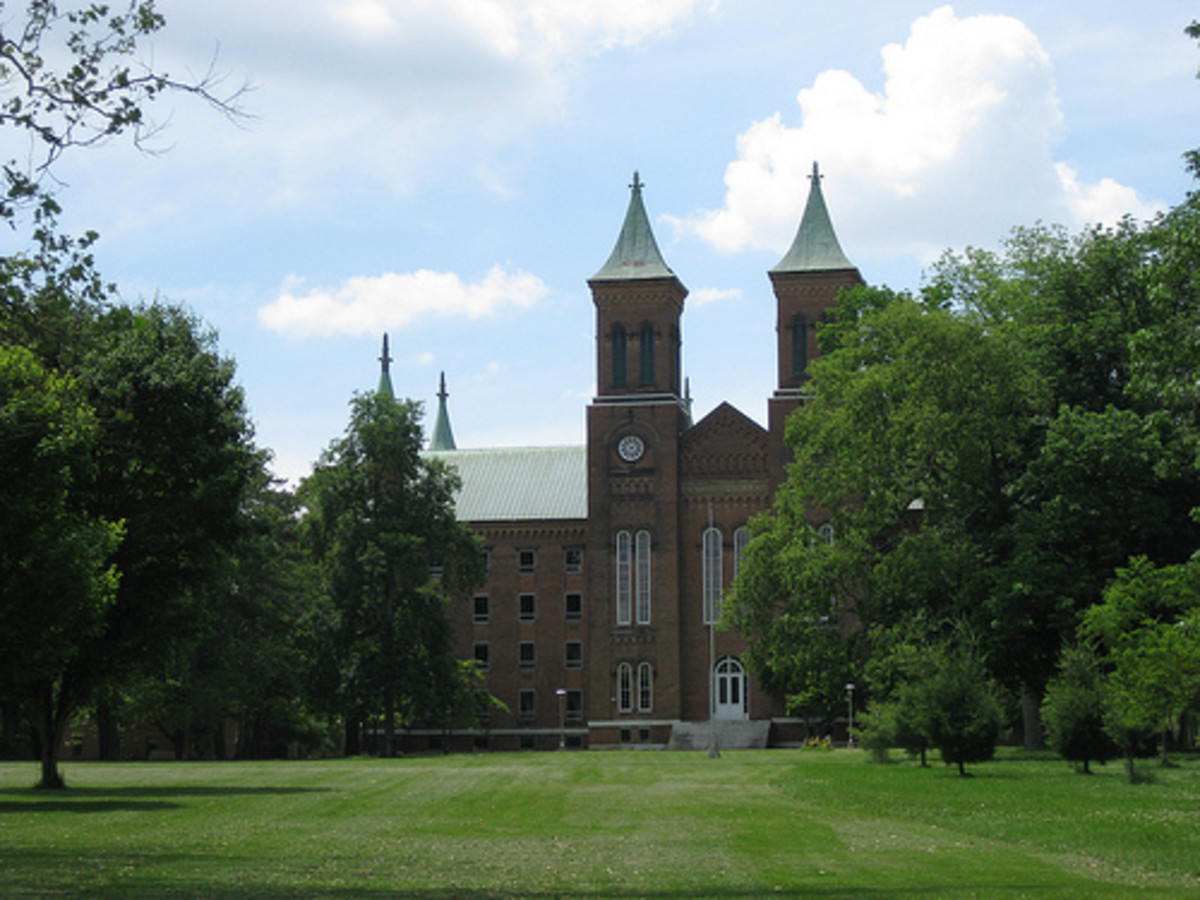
pixel 624 574
pixel 619 354
pixel 642 557
pixel 711 575
pixel 741 538
pixel 799 346
pixel 645 687
pixel 646 348
pixel 625 688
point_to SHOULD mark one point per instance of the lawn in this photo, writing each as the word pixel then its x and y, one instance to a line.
pixel 600 824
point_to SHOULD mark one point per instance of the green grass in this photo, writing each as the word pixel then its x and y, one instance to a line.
pixel 620 824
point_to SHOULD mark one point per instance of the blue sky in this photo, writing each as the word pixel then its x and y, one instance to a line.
pixel 452 172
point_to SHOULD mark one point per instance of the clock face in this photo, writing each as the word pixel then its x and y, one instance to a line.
pixel 631 448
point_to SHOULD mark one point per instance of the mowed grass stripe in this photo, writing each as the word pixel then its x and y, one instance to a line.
pixel 670 825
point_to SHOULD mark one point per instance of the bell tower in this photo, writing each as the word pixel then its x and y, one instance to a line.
pixel 633 433
pixel 806 282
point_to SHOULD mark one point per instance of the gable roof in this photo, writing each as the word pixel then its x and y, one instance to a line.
pixel 725 443
pixel 507 484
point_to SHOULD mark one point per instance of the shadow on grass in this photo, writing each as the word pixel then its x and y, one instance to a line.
pixel 141 791
pixel 127 799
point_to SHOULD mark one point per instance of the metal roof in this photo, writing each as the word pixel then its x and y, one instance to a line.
pixel 636 254
pixel 816 247
pixel 506 484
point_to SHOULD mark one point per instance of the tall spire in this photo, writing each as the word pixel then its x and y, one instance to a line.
pixel 816 247
pixel 385 378
pixel 443 436
pixel 636 254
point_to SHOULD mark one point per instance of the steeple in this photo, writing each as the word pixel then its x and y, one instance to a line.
pixel 636 254
pixel 385 378
pixel 815 248
pixel 443 436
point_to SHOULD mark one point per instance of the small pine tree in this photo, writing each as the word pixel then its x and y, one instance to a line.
pixel 958 707
pixel 1073 710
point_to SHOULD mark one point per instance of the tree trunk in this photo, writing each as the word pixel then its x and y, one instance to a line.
pixel 1129 765
pixel 1031 720
pixel 389 726
pixel 107 731
pixel 50 724
pixel 962 770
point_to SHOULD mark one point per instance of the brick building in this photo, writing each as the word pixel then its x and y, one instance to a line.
pixel 606 562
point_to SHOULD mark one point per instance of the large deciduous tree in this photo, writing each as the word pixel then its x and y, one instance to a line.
pixel 57 584
pixel 381 520
pixel 166 452
pixel 991 449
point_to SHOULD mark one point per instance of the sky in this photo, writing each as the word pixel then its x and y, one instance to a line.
pixel 452 172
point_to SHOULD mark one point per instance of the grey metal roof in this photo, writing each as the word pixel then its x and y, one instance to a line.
pixel 816 247
pixel 506 484
pixel 636 254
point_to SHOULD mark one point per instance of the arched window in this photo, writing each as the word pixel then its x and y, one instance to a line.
pixel 642 563
pixel 826 533
pixel 620 342
pixel 799 330
pixel 741 538
pixel 625 688
pixel 711 575
pixel 645 687
pixel 624 562
pixel 646 348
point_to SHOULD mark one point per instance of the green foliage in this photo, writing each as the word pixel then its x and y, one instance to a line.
pixel 1073 709
pixel 991 450
pixel 1149 629
pixel 956 707
pixel 381 522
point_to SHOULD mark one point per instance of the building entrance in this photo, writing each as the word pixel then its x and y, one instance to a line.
pixel 729 690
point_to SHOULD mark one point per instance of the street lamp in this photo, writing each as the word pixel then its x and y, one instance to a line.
pixel 562 717
pixel 850 704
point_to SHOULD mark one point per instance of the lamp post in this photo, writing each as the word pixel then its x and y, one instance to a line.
pixel 562 717
pixel 850 705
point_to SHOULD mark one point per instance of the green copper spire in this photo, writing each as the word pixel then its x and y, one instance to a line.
pixel 816 247
pixel 636 253
pixel 385 378
pixel 443 436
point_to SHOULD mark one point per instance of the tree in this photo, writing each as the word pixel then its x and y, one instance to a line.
pixel 906 448
pixel 57 584
pixel 170 459
pixel 381 521
pixel 956 707
pixel 1149 628
pixel 991 449
pixel 1073 709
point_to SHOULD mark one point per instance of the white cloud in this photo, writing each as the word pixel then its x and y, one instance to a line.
pixel 363 305
pixel 383 88
pixel 704 296
pixel 956 148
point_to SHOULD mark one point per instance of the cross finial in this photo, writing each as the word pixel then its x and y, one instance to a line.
pixel 442 395
pixel 637 182
pixel 816 174
pixel 385 360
